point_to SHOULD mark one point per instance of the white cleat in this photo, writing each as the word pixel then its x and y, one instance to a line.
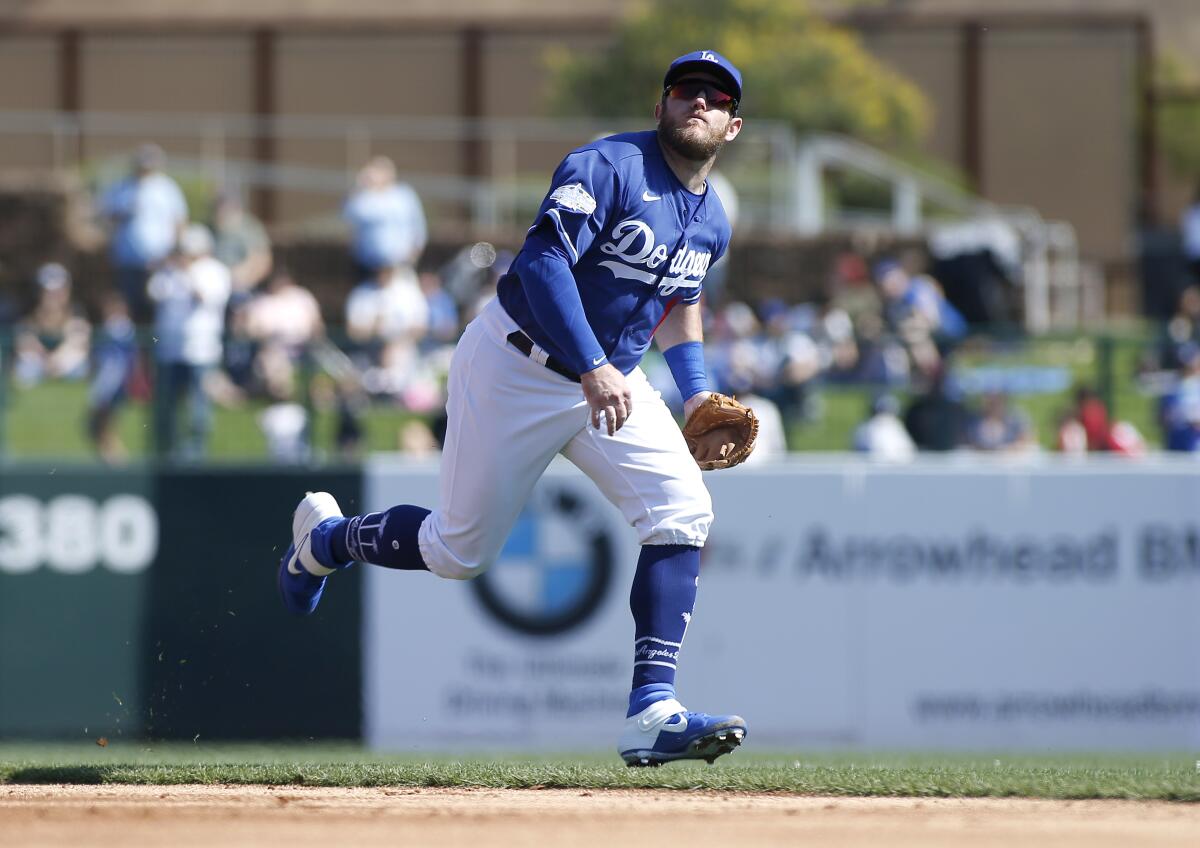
pixel 665 731
pixel 301 578
pixel 315 508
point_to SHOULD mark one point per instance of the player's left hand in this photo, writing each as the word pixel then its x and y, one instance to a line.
pixel 607 392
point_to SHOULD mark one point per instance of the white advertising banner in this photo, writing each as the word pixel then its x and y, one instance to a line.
pixel 938 605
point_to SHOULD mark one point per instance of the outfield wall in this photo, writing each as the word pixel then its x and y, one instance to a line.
pixel 957 604
pixel 142 603
pixel 76 549
pixel 954 604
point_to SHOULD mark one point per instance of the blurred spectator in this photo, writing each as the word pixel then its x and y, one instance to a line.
pixel 443 311
pixel 240 241
pixel 1182 332
pixel 836 340
pixel 386 218
pixel 1087 423
pixel 877 358
pixel 389 306
pixel 1000 428
pixel 1180 410
pixel 284 313
pixel 285 426
pixel 740 378
pixel 1190 231
pixel 284 423
pixel 882 359
pixel 735 355
pixel 918 313
pixel 113 361
pixel 790 361
pixel 936 419
pixel 148 212
pixel 883 436
pixel 1072 437
pixel 853 292
pixel 772 432
pixel 387 316
pixel 1092 416
pixel 832 331
pixel 280 322
pixel 52 341
pixel 190 292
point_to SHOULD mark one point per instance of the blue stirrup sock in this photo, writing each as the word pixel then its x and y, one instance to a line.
pixel 380 538
pixel 661 599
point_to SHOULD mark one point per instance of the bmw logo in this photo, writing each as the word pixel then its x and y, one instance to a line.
pixel 555 569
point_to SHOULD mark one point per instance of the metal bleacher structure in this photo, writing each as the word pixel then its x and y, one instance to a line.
pixel 1060 292
pixel 779 173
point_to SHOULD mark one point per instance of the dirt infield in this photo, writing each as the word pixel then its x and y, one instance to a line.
pixel 128 816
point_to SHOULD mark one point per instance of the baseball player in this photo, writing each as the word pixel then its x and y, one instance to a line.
pixel 616 256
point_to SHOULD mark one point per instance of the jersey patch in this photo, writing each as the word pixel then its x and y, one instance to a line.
pixel 575 198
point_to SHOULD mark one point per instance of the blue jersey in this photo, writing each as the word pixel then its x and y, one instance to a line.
pixel 638 242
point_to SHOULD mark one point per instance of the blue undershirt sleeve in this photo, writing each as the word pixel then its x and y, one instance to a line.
pixel 545 273
pixel 686 361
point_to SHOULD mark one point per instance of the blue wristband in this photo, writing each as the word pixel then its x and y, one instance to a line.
pixel 686 361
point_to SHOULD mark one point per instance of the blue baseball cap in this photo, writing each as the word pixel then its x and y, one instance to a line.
pixel 708 62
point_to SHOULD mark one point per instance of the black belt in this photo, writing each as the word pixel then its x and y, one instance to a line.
pixel 524 344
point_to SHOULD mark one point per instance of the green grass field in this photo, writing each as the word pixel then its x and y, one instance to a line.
pixel 47 421
pixel 1173 777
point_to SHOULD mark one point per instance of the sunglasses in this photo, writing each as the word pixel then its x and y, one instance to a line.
pixel 691 89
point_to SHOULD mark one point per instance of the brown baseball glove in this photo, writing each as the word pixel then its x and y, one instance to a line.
pixel 720 432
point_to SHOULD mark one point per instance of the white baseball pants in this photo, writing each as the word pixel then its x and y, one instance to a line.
pixel 509 416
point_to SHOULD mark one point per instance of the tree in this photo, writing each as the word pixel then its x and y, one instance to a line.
pixel 1179 117
pixel 798 68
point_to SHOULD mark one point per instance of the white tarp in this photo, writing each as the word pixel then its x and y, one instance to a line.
pixel 954 604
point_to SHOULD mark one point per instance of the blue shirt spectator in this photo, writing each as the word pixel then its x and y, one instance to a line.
pixel 924 296
pixel 443 312
pixel 148 211
pixel 387 219
pixel 1000 427
pixel 1180 410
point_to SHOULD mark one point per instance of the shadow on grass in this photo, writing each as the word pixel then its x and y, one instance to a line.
pixel 89 775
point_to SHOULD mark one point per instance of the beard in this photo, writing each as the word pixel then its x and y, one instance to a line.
pixel 699 143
